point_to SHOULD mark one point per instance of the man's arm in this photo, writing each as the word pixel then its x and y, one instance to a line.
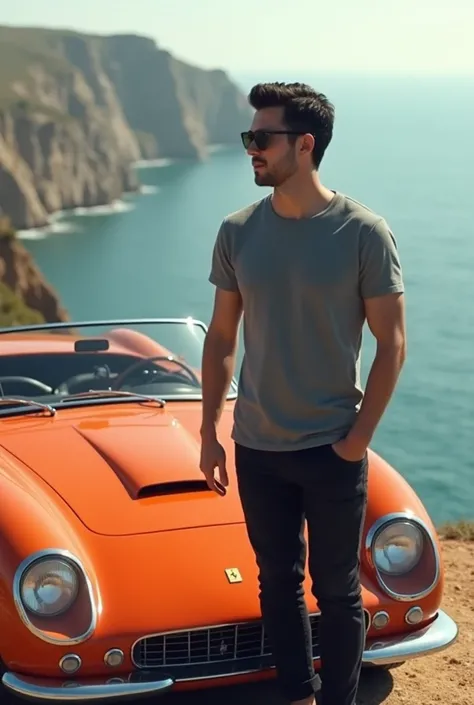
pixel 386 320
pixel 218 361
pixel 382 293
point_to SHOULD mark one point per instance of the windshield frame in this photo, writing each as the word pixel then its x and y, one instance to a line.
pixel 78 325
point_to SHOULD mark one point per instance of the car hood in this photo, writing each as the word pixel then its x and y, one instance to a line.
pixel 133 473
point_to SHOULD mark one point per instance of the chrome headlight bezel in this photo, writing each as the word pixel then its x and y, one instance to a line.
pixel 389 581
pixel 32 619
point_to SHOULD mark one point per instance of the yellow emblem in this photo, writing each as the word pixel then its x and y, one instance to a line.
pixel 233 575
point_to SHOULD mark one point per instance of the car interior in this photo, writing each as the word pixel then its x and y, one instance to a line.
pixel 44 376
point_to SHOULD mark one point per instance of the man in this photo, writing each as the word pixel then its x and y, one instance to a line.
pixel 306 266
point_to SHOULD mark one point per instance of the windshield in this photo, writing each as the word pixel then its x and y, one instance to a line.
pixel 55 366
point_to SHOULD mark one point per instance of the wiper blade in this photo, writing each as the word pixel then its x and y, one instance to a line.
pixel 111 393
pixel 28 402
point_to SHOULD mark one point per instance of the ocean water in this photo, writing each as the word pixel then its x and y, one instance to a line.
pixel 403 146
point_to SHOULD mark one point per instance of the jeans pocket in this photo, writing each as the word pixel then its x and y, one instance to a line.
pixel 344 480
pixel 339 458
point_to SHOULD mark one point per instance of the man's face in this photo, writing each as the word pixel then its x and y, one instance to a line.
pixel 274 156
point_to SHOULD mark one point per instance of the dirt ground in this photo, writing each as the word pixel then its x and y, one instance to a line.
pixel 446 678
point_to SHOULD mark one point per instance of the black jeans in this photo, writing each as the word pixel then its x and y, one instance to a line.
pixel 278 491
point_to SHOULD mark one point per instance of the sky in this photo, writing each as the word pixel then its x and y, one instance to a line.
pixel 249 36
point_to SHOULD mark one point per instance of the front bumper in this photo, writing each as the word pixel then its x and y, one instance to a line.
pixel 82 691
pixel 438 635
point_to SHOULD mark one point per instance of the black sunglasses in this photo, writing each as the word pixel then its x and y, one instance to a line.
pixel 262 138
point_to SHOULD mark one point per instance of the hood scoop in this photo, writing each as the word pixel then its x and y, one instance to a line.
pixel 163 489
pixel 152 467
pixel 135 482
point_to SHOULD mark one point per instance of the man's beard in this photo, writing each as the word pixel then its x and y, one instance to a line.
pixel 286 168
pixel 266 179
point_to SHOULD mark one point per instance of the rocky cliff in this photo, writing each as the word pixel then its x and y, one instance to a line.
pixel 76 111
pixel 182 108
pixel 25 296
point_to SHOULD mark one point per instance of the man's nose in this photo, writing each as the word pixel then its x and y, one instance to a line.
pixel 253 150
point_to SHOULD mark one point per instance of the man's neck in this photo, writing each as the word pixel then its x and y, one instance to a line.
pixel 301 197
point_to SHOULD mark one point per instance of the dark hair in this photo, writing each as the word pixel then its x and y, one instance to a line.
pixel 303 109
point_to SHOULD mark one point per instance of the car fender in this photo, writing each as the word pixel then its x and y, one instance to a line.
pixel 34 520
pixel 391 498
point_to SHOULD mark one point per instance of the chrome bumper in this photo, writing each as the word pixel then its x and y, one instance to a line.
pixel 439 635
pixel 44 689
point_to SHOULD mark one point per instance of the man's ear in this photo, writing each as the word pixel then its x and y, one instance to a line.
pixel 307 144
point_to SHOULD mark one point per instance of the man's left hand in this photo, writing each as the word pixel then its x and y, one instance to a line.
pixel 350 449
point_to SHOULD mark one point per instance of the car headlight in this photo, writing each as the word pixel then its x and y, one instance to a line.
pixel 49 586
pixel 398 547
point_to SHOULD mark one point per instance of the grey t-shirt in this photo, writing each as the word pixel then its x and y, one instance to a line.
pixel 302 283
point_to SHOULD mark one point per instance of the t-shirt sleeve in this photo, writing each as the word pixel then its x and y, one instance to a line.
pixel 222 272
pixel 380 267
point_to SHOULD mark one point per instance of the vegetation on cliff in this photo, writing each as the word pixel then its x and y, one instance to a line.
pixel 76 111
pixel 462 530
pixel 14 311
pixel 25 296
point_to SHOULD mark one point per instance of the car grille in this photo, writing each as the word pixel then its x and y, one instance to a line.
pixel 201 646
pixel 212 651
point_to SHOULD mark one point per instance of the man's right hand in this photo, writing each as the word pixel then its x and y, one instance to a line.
pixel 212 456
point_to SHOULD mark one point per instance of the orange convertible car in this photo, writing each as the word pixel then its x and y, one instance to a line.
pixel 121 574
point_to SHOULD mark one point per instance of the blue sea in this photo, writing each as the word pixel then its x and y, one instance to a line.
pixel 405 147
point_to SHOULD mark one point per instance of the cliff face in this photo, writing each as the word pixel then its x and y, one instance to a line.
pixel 76 111
pixel 183 108
pixel 25 296
pixel 64 140
pixel 48 165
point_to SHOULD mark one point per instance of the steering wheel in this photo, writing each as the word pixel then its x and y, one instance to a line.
pixel 27 380
pixel 118 382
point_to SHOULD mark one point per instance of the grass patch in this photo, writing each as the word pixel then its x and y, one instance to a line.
pixel 462 530
pixel 6 230
pixel 17 60
pixel 14 311
pixel 24 49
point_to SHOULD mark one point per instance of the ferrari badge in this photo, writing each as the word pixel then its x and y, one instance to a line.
pixel 233 575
